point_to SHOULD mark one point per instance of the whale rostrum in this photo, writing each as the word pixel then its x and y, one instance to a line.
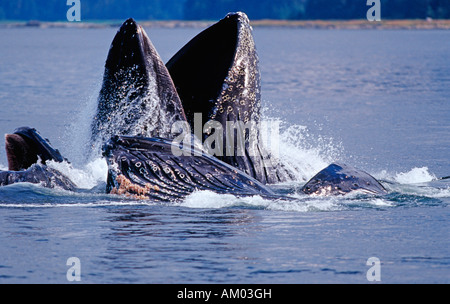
pixel 137 96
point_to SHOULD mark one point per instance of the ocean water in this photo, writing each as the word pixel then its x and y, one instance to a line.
pixel 375 99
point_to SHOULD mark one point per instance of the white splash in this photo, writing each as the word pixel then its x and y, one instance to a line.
pixel 212 200
pixel 87 177
pixel 305 155
pixel 414 176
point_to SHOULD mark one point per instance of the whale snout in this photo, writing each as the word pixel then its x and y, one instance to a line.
pixel 130 26
pixel 126 50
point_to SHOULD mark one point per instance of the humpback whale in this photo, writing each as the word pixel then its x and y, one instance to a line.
pixel 27 153
pixel 337 179
pixel 214 77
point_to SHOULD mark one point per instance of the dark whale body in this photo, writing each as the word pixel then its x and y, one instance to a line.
pixel 337 179
pixel 37 174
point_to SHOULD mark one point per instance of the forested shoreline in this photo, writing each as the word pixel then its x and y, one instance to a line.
pixel 55 10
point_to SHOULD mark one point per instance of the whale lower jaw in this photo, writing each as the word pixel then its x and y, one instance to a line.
pixel 38 174
pixel 146 168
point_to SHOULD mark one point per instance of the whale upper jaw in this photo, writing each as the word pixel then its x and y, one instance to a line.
pixel 129 48
pixel 217 72
pixel 137 96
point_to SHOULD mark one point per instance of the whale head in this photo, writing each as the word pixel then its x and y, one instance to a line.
pixel 217 74
pixel 26 147
pixel 137 96
pixel 340 179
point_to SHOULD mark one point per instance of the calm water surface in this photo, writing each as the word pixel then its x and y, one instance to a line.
pixel 377 100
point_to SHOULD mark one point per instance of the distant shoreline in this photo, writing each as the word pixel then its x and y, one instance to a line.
pixel 415 24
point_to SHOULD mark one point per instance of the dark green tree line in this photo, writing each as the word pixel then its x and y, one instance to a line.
pixel 52 10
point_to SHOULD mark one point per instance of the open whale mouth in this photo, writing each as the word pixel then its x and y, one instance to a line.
pixel 199 69
pixel 26 147
pixel 217 72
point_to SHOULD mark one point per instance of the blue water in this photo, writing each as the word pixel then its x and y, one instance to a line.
pixel 378 100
